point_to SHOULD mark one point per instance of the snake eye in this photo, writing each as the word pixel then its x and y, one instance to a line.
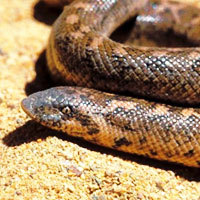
pixel 66 110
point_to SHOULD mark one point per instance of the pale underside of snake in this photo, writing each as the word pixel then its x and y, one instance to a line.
pixel 80 53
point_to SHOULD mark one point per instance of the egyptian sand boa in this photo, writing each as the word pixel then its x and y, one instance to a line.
pixel 80 53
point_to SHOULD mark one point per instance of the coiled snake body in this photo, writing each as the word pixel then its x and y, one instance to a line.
pixel 80 53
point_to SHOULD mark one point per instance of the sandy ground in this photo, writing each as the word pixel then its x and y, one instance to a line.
pixel 38 163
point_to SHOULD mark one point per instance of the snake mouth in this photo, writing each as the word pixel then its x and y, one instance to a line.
pixel 27 106
pixel 33 104
pixel 41 106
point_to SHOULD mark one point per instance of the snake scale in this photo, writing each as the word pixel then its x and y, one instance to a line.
pixel 81 54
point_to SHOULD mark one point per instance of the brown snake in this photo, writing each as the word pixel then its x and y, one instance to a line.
pixel 80 53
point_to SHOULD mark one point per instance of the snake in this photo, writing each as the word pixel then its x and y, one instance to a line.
pixel 136 99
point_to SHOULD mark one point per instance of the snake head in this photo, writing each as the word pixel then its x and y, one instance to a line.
pixel 54 107
pixel 67 109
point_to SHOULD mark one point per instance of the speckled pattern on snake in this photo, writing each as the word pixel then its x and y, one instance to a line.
pixel 81 54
